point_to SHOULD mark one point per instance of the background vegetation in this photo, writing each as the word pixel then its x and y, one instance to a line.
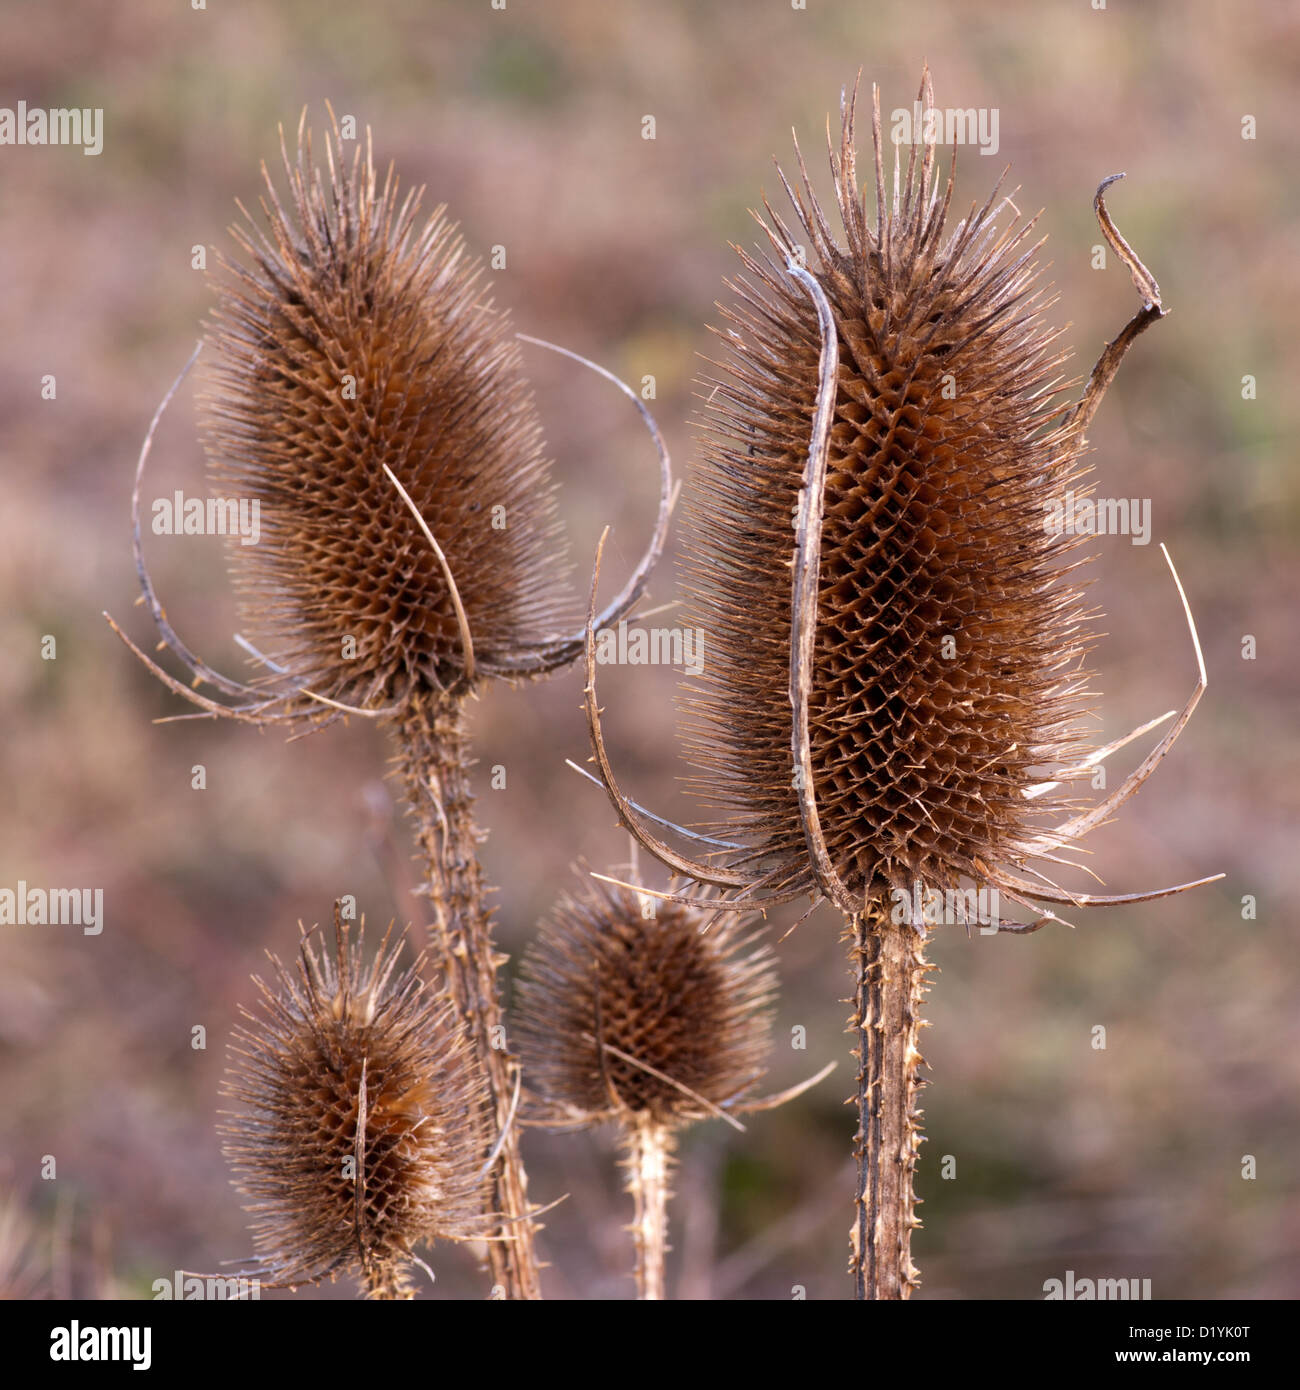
pixel 527 122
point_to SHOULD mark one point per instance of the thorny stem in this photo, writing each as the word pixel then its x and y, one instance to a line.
pixel 649 1157
pixel 889 968
pixel 435 761
pixel 386 1282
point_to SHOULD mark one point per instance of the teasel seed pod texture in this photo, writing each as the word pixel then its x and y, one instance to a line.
pixel 352 340
pixel 368 397
pixel 896 685
pixel 645 1015
pixel 363 1127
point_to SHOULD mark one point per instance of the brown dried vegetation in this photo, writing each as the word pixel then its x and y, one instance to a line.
pixel 370 400
pixel 649 1015
pixel 353 341
pixel 363 1130
pixel 621 1015
pixel 896 634
pixel 946 667
pixel 895 685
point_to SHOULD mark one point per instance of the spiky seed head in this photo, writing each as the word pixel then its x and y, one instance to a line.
pixel 348 339
pixel 362 1131
pixel 949 640
pixel 628 1016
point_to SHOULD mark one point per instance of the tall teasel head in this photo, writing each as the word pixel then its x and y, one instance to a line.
pixel 353 344
pixel 896 630
pixel 363 1129
pixel 946 664
pixel 628 1010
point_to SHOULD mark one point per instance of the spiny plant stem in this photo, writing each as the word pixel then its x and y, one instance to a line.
pixel 889 966
pixel 649 1156
pixel 435 759
pixel 386 1283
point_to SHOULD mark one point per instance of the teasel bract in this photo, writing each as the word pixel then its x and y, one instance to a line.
pixel 644 1015
pixel 363 1131
pixel 895 685
pixel 369 397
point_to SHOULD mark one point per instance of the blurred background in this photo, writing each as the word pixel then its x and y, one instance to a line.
pixel 527 121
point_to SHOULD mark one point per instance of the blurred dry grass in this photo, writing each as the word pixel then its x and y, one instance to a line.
pixel 1120 1162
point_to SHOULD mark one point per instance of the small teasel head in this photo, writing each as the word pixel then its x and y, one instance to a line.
pixel 629 1010
pixel 351 346
pixel 362 1131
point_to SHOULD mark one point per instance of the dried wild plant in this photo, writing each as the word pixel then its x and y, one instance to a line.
pixel 356 344
pixel 363 1130
pixel 896 686
pixel 369 397
pixel 632 1012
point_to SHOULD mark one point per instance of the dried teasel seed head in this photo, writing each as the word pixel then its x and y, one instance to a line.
pixel 641 1018
pixel 949 637
pixel 352 339
pixel 363 1130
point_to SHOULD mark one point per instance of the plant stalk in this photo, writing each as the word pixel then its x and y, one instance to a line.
pixel 889 967
pixel 649 1157
pixel 435 760
pixel 385 1283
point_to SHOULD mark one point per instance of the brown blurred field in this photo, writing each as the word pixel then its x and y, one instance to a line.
pixel 1125 1162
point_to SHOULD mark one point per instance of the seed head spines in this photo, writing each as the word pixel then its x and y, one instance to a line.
pixel 350 338
pixel 362 1130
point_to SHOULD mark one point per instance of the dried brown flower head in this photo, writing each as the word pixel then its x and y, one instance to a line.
pixel 895 684
pixel 633 1017
pixel 946 670
pixel 354 340
pixel 363 1133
